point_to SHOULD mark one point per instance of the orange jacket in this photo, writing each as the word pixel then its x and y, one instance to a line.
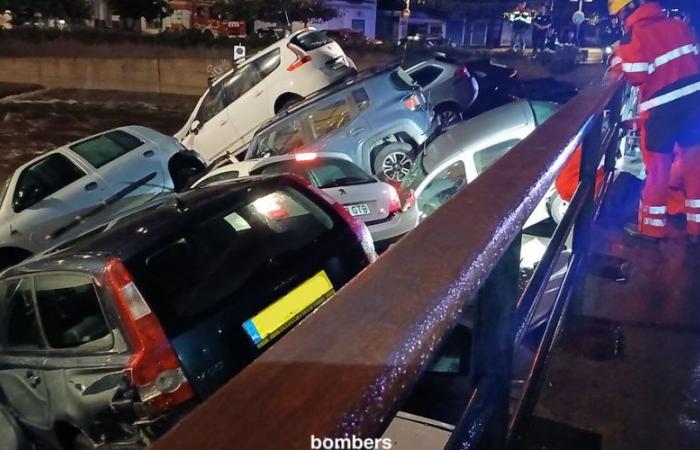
pixel 567 180
pixel 660 55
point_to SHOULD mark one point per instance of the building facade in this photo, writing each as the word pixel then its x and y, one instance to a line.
pixel 358 15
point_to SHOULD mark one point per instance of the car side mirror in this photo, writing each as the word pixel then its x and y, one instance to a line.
pixel 194 127
pixel 26 197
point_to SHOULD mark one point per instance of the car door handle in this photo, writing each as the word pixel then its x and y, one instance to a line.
pixel 33 379
pixel 223 122
pixel 356 131
pixel 91 186
pixel 259 93
pixel 148 153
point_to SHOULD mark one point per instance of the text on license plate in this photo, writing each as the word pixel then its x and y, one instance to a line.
pixel 358 210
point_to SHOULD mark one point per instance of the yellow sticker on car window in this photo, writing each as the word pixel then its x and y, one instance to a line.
pixel 286 311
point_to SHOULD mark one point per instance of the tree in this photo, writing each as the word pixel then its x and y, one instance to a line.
pixel 276 10
pixel 133 10
pixel 70 10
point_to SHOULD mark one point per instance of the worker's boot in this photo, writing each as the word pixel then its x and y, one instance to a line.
pixel 632 230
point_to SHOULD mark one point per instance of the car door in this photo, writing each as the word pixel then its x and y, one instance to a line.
pixel 212 132
pixel 23 355
pixel 49 194
pixel 438 189
pixel 87 353
pixel 131 165
pixel 247 96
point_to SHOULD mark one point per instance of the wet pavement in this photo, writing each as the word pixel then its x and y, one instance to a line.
pixel 627 366
pixel 33 123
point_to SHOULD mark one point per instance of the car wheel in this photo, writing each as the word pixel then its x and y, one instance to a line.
pixel 447 115
pixel 557 208
pixel 82 442
pixel 394 162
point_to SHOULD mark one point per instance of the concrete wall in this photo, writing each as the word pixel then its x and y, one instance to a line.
pixel 187 76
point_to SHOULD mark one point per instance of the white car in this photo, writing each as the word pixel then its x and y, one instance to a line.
pixel 230 111
pixel 57 189
pixel 373 201
pixel 455 158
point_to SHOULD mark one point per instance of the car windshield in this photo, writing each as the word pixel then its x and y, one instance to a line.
pixel 321 172
pixel 311 40
pixel 227 258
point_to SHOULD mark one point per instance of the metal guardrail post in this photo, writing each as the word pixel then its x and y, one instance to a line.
pixel 492 352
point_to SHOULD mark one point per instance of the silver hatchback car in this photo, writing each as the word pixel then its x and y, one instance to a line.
pixel 378 118
pixel 58 190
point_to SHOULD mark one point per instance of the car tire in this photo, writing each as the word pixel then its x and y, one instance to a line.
pixel 393 162
pixel 447 115
pixel 82 442
pixel 557 207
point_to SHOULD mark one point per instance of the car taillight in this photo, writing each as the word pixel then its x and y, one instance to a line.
pixel 154 368
pixel 414 101
pixel 302 57
pixel 394 201
pixel 462 72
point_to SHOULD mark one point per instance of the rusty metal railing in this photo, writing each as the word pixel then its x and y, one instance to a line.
pixel 346 368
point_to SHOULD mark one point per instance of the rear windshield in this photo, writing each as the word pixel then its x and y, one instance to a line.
pixel 321 172
pixel 311 40
pixel 107 147
pixel 401 80
pixel 229 257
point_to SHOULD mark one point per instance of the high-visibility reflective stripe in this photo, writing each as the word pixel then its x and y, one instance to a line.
pixel 671 96
pixel 673 54
pixel 615 61
pixel 635 67
pixel 655 222
pixel 693 218
pixel 655 209
pixel 692 203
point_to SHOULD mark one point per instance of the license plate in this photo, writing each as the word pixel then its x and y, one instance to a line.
pixel 358 210
pixel 288 310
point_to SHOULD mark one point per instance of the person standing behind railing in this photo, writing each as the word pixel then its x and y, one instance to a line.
pixel 521 19
pixel 660 55
pixel 541 24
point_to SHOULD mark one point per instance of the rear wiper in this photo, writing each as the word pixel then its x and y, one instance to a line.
pixel 348 181
pixel 77 220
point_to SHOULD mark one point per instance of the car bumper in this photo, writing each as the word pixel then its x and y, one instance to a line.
pixel 386 233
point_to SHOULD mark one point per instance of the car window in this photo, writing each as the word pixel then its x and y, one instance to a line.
pixel 361 99
pixel 107 147
pixel 330 117
pixel 43 178
pixel 230 175
pixel 401 80
pixel 483 159
pixel 267 63
pixel 212 104
pixel 240 82
pixel 280 139
pixel 543 111
pixel 21 321
pixel 426 75
pixel 311 40
pixel 321 172
pixel 442 188
pixel 228 258
pixel 70 311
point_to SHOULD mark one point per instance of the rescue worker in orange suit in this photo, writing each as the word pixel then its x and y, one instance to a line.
pixel 660 55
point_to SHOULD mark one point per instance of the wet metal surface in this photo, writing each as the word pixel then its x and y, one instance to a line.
pixel 33 123
pixel 646 396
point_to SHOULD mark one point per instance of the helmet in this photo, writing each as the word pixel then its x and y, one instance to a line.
pixel 616 5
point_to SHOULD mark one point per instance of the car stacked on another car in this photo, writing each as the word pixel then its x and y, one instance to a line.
pixel 109 338
pixel 376 203
pixel 229 112
pixel 448 86
pixel 455 158
pixel 53 190
pixel 379 118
